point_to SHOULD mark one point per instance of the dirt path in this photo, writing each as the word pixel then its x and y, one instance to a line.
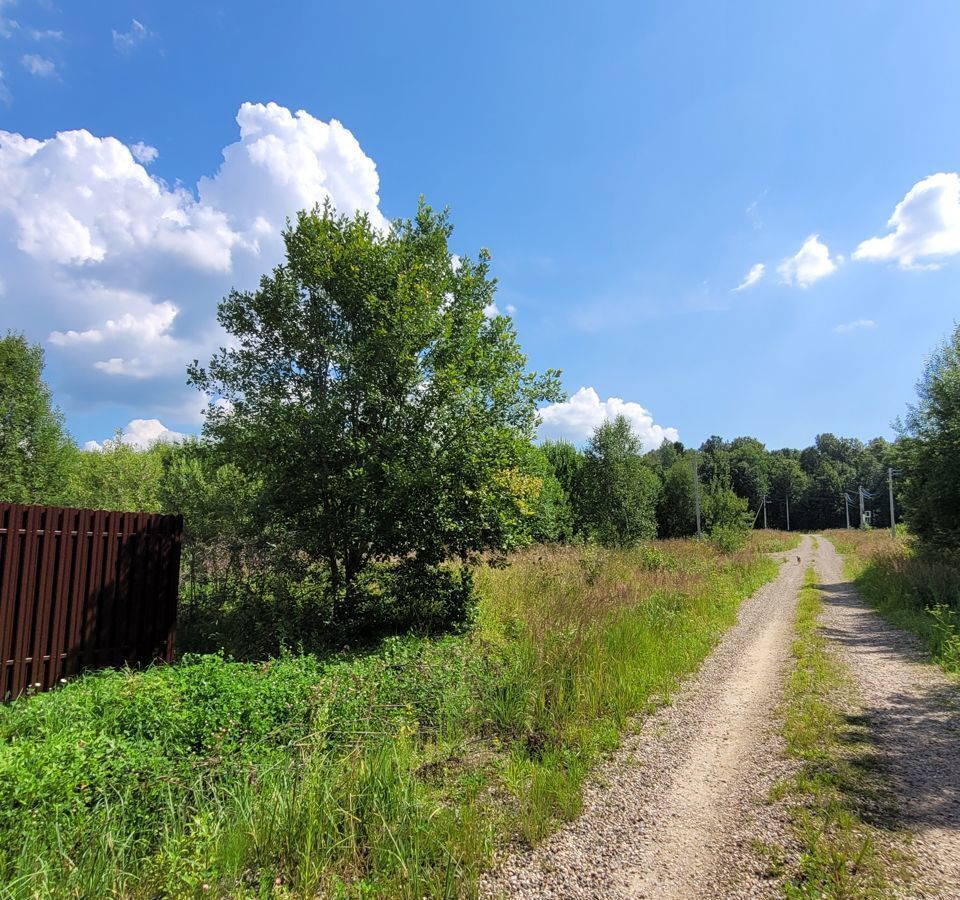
pixel 912 710
pixel 681 822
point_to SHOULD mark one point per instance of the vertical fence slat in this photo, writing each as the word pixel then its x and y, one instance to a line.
pixel 124 593
pixel 154 567
pixel 139 587
pixel 173 585
pixel 40 644
pixel 9 577
pixel 69 542
pixel 93 598
pixel 78 592
pixel 26 606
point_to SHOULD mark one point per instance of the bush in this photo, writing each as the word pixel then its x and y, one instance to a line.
pixel 729 539
pixel 412 597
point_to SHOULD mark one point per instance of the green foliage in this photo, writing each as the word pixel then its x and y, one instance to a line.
pixel 749 470
pixel 676 510
pixel 382 413
pixel 930 452
pixel 551 513
pixel 728 538
pixel 618 493
pixel 34 449
pixel 723 509
pixel 117 476
pixel 395 773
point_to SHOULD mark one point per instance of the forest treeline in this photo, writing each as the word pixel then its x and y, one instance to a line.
pixel 371 424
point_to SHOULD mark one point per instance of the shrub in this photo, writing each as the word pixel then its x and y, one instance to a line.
pixel 729 539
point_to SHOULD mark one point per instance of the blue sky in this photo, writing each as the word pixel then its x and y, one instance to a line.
pixel 627 164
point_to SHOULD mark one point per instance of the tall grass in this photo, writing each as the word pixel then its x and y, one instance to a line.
pixel 912 590
pixel 398 772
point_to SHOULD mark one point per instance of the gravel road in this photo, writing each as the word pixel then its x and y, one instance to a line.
pixel 678 809
pixel 912 709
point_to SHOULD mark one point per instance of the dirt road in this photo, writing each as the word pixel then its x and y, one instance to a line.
pixel 681 808
pixel 673 814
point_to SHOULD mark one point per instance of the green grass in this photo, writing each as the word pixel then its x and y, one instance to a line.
pixel 394 773
pixel 838 799
pixel 916 592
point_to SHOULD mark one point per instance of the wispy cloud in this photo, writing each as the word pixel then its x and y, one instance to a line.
pixel 753 211
pixel 144 153
pixel 39 66
pixel 856 325
pixel 7 26
pixel 47 34
pixel 752 277
pixel 125 41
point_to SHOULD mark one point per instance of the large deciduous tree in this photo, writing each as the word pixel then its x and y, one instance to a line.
pixel 385 413
pixel 33 445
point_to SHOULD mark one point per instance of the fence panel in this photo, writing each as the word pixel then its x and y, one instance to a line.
pixel 83 588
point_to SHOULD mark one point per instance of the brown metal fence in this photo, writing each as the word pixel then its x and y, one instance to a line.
pixel 83 588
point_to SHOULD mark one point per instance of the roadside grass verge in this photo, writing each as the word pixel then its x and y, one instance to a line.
pixel 916 592
pixel 773 541
pixel 838 799
pixel 399 772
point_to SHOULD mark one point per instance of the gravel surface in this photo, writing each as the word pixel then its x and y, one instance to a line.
pixel 913 712
pixel 679 809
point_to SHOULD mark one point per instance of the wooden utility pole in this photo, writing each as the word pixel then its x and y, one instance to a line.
pixel 696 491
pixel 893 514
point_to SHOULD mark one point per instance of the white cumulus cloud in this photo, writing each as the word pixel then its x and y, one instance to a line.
pixel 811 263
pixel 140 433
pixel 577 418
pixel 752 277
pixel 38 65
pixel 122 272
pixel 925 225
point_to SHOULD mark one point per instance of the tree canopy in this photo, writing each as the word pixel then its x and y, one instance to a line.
pixel 33 445
pixel 385 414
pixel 930 451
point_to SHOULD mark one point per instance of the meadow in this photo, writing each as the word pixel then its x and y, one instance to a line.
pixel 402 770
